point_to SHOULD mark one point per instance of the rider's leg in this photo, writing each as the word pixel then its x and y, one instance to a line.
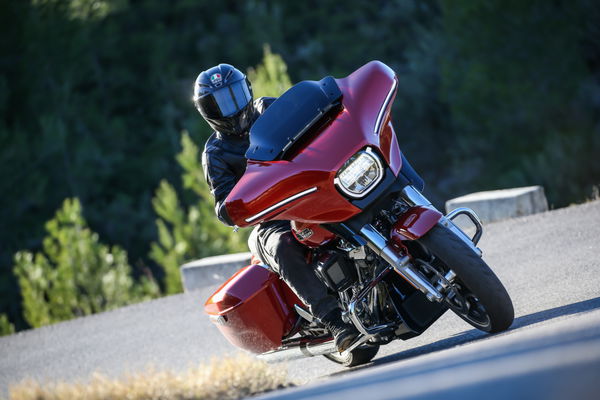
pixel 277 247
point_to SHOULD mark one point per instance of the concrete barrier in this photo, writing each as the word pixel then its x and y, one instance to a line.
pixel 495 205
pixel 211 270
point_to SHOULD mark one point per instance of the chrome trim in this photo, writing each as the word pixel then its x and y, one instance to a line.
pixel 384 107
pixel 461 235
pixel 358 253
pixel 414 197
pixel 353 313
pixel 401 264
pixel 303 313
pixel 337 183
pixel 445 282
pixel 474 219
pixel 300 350
pixel 361 340
pixel 281 203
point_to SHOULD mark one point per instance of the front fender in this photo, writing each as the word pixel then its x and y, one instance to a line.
pixel 414 223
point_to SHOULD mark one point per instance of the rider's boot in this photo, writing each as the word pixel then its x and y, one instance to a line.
pixel 344 334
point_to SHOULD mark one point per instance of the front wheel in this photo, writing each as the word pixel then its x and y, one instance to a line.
pixel 476 294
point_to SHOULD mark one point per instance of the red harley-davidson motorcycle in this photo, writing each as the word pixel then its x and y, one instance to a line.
pixel 325 156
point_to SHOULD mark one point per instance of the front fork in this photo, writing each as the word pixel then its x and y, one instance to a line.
pixel 381 246
pixel 401 263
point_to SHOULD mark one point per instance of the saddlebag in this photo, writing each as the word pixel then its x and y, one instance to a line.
pixel 253 309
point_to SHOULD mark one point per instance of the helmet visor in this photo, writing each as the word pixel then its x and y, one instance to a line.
pixel 226 101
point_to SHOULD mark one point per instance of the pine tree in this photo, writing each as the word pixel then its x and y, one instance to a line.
pixel 186 233
pixel 75 274
pixel 271 77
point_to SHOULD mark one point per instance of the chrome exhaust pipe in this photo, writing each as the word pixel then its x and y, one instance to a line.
pixel 300 350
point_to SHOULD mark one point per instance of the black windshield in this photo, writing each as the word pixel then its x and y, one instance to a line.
pixel 290 116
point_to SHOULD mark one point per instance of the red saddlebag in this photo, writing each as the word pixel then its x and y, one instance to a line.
pixel 253 309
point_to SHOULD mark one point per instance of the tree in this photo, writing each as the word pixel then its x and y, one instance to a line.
pixel 75 275
pixel 522 102
pixel 192 231
pixel 271 77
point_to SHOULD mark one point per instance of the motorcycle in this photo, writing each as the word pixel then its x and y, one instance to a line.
pixel 325 156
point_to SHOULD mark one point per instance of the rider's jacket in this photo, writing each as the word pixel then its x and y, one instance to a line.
pixel 224 161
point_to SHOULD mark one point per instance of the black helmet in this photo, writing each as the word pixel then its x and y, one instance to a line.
pixel 223 95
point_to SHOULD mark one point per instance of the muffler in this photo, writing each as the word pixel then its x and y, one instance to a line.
pixel 300 350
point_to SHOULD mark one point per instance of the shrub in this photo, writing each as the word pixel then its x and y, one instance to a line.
pixel 75 274
pixel 271 77
pixel 6 328
pixel 192 232
pixel 230 378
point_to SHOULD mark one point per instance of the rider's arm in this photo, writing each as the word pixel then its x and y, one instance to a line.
pixel 220 181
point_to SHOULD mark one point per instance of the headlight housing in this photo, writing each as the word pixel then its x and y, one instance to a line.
pixel 360 174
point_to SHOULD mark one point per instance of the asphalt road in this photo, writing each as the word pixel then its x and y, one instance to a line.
pixel 555 361
pixel 548 262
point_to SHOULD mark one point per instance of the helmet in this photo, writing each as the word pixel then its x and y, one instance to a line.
pixel 223 96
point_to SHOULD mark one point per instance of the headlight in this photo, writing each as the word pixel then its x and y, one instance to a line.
pixel 360 174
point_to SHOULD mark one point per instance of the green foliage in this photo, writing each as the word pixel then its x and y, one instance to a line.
pixel 85 9
pixel 269 78
pixel 516 87
pixel 189 232
pixel 6 328
pixel 75 275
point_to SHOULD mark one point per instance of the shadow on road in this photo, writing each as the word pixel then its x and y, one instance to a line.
pixel 474 335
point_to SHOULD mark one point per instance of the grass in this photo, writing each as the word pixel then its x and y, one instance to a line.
pixel 228 379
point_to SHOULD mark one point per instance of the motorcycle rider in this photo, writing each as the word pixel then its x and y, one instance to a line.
pixel 223 96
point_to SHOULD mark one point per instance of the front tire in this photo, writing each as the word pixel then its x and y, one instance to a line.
pixel 480 299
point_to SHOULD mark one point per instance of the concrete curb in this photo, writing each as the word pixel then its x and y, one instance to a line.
pixel 210 271
pixel 496 205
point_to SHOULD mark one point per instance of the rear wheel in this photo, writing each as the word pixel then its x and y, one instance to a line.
pixel 361 355
pixel 476 294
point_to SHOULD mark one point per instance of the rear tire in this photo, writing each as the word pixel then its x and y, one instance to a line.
pixel 358 356
pixel 482 300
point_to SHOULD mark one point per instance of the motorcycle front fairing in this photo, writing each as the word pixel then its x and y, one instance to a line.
pixel 300 179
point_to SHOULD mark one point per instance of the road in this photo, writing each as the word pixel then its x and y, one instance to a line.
pixel 549 263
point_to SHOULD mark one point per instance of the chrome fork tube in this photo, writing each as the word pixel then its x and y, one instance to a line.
pixel 378 243
pixel 414 197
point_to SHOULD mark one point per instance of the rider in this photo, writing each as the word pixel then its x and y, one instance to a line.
pixel 223 96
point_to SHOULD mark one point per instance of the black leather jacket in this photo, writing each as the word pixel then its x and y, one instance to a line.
pixel 224 161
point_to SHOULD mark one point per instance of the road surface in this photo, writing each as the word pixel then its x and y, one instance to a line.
pixel 550 264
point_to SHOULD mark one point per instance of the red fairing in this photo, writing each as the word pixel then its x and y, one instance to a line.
pixel 296 189
pixel 253 309
pixel 414 223
pixel 311 235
